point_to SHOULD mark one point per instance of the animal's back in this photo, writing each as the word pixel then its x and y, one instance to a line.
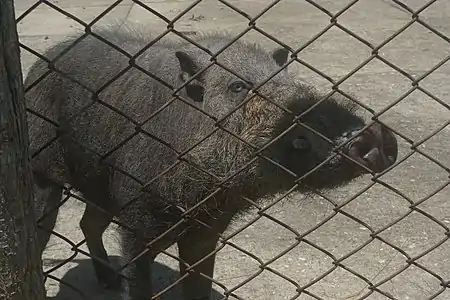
pixel 104 80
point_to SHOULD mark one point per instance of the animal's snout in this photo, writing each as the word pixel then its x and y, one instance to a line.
pixel 375 148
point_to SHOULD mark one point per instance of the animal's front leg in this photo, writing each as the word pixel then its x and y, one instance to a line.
pixel 138 273
pixel 195 245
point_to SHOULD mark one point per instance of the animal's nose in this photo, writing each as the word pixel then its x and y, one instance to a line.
pixel 376 148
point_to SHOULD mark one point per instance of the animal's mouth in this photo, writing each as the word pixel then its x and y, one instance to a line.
pixel 375 148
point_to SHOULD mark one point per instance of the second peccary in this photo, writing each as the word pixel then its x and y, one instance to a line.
pixel 146 144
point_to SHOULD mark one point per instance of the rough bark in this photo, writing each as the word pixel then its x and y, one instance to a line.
pixel 20 263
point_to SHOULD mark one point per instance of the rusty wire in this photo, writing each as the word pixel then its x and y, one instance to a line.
pixel 300 237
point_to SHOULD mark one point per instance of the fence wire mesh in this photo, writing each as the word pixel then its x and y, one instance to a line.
pixel 375 243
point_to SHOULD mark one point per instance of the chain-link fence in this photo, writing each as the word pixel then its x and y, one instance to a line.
pixel 382 236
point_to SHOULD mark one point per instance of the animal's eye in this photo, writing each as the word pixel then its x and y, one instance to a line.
pixel 238 86
pixel 301 143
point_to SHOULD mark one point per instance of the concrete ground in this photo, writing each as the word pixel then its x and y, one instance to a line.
pixel 336 53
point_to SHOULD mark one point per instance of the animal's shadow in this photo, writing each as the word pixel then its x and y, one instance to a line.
pixel 82 278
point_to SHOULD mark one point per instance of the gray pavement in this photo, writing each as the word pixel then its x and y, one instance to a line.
pixel 336 53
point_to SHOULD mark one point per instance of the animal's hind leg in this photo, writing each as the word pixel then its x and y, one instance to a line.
pixel 49 197
pixel 93 224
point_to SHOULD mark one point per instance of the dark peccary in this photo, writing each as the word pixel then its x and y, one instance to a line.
pixel 217 92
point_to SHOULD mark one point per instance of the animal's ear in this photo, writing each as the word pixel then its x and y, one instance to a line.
pixel 280 56
pixel 187 64
pixel 194 89
pixel 195 92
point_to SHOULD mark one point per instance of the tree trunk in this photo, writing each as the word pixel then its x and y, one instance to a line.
pixel 20 263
